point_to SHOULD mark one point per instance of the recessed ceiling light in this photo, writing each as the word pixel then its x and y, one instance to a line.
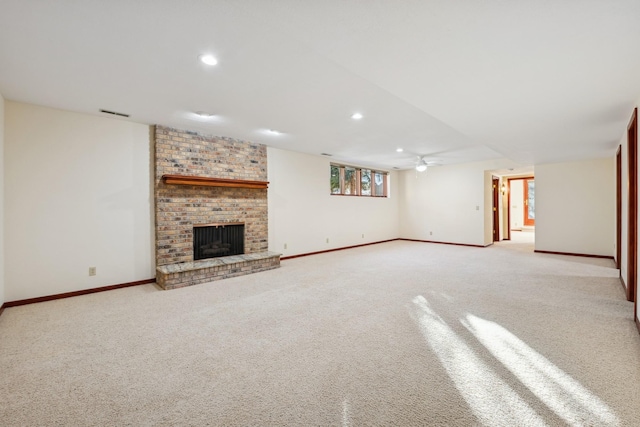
pixel 399 150
pixel 271 132
pixel 203 117
pixel 356 116
pixel 208 59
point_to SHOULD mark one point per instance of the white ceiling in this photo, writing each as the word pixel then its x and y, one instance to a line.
pixel 533 81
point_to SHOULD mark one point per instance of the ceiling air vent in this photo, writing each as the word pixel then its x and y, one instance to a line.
pixel 327 154
pixel 114 113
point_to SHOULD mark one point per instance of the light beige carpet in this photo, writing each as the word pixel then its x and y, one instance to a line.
pixel 395 334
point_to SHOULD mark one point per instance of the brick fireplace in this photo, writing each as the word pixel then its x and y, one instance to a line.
pixel 202 180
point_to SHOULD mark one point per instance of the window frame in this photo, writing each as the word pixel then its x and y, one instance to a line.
pixel 358 181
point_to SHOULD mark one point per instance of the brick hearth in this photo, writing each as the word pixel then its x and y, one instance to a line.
pixel 174 276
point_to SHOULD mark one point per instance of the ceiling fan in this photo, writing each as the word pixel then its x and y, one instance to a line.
pixel 422 164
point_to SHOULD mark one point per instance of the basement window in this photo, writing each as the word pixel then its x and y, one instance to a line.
pixel 353 181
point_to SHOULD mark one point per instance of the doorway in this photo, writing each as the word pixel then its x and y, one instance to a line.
pixel 521 206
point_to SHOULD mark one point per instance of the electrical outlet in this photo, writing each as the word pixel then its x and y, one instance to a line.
pixel 327 240
pixel 92 271
pixel 363 235
pixel 431 233
pixel 477 208
pixel 285 246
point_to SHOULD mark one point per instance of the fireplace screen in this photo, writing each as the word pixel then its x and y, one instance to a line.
pixel 218 240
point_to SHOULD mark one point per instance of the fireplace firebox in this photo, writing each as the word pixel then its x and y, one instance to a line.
pixel 218 240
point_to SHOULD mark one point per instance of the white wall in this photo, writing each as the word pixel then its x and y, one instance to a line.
pixel 302 213
pixel 445 204
pixel 2 286
pixel 78 194
pixel 575 207
pixel 450 204
pixel 517 204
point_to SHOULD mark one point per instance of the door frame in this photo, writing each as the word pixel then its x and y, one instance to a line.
pixel 619 209
pixel 515 178
pixel 508 227
pixel 632 233
pixel 496 204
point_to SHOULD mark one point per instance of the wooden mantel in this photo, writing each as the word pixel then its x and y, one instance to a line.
pixel 213 182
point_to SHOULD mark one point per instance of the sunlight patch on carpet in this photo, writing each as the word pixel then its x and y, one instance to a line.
pixel 346 418
pixel 555 388
pixel 490 399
